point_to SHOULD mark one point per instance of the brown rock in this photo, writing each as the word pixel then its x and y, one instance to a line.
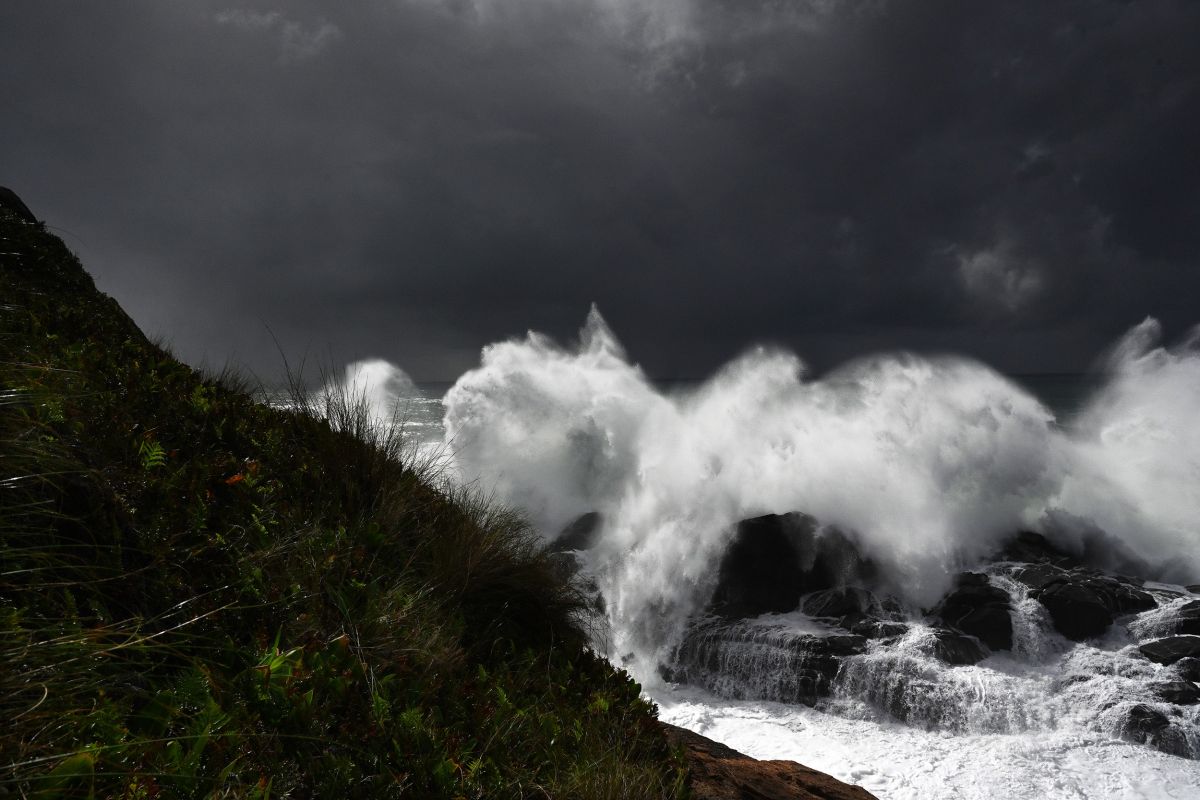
pixel 722 773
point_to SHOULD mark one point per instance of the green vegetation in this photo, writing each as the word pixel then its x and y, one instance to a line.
pixel 205 596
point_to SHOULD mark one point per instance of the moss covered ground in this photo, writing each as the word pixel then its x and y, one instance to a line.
pixel 203 595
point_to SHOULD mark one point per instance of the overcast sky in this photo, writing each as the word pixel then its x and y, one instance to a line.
pixel 412 179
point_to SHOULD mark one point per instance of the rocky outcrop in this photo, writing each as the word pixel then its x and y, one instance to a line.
pixel 872 627
pixel 565 552
pixel 1082 603
pixel 1181 693
pixel 774 559
pixel 1146 725
pixel 978 609
pixel 800 617
pixel 757 660
pixel 580 534
pixel 1188 668
pixel 1171 649
pixel 722 773
pixel 760 572
pixel 1187 618
pixel 855 610
pixel 1077 612
pixel 956 648
pixel 839 602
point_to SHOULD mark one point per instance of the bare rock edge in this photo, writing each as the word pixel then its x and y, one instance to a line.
pixel 722 773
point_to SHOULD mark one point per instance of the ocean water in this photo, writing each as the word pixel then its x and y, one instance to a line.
pixel 928 464
pixel 899 762
pixel 1042 721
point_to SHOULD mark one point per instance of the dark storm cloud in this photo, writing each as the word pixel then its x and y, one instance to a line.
pixel 412 179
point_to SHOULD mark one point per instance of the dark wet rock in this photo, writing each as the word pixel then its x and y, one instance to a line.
pixel 566 564
pixel 838 602
pixel 1076 610
pixel 1146 725
pixel 785 659
pixel 1181 693
pixel 670 673
pixel 905 698
pixel 978 609
pixel 956 648
pixel 580 534
pixel 1193 588
pixel 1144 719
pixel 1072 679
pixel 1171 649
pixel 872 627
pixel 1033 548
pixel 892 608
pixel 1082 604
pixel 833 560
pixel 760 571
pixel 569 567
pixel 897 699
pixel 761 661
pixel 9 201
pixel 1036 576
pixel 1123 595
pixel 1188 668
pixel 1187 619
pixel 773 560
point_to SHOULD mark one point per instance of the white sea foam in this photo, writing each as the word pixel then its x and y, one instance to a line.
pixel 395 404
pixel 899 762
pixel 926 462
pixel 382 386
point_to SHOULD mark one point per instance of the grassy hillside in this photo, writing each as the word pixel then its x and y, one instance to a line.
pixel 203 596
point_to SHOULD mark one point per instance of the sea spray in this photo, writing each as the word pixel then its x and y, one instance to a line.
pixel 1135 469
pixel 553 432
pixel 926 463
pixel 394 406
pixel 382 387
